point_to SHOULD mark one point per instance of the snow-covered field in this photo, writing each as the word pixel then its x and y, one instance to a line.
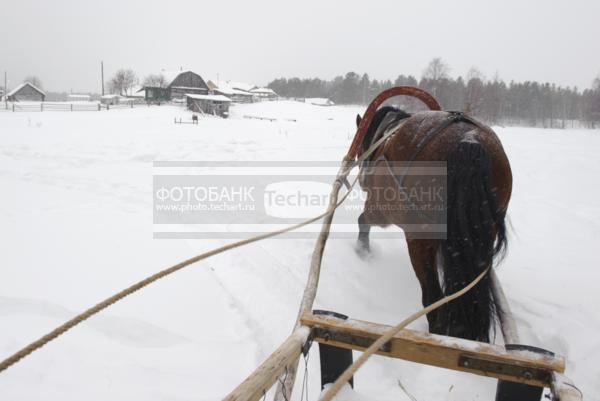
pixel 76 226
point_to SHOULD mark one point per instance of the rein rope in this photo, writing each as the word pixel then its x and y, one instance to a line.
pixel 387 336
pixel 349 162
pixel 347 165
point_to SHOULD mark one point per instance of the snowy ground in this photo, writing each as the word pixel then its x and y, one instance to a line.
pixel 76 214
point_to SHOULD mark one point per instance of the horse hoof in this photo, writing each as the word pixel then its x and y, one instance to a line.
pixel 362 250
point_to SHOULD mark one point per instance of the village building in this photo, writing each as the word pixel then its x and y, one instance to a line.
pixel 245 92
pixel 264 93
pixel 136 95
pixel 136 92
pixel 180 84
pixel 111 100
pixel 236 95
pixel 26 92
pixel 209 104
pixel 156 94
pixel 241 86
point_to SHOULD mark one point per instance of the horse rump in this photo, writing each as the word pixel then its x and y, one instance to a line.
pixel 476 235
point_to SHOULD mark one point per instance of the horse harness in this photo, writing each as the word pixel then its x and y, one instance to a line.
pixel 394 124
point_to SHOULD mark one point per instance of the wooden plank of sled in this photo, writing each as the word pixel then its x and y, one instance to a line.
pixel 256 385
pixel 284 390
pixel 445 352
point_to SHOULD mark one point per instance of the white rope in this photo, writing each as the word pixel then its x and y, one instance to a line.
pixel 387 336
pixel 58 331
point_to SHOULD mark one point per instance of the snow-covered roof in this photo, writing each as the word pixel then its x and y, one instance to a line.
pixel 78 96
pixel 268 91
pixel 137 93
pixel 136 89
pixel 24 84
pixel 241 85
pixel 188 87
pixel 216 98
pixel 227 89
pixel 232 92
pixel 112 96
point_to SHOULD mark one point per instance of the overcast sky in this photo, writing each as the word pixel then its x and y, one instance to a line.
pixel 63 41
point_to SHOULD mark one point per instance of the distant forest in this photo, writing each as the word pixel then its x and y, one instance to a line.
pixel 493 100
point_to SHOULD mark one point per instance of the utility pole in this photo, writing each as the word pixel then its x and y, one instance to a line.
pixel 102 72
pixel 5 92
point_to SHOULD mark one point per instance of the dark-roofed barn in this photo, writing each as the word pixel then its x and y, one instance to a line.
pixel 180 84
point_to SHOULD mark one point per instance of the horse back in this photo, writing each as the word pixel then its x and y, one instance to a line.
pixel 404 146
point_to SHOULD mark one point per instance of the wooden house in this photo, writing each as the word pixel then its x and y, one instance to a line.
pixel 156 94
pixel 209 104
pixel 264 93
pixel 180 84
pixel 111 99
pixel 137 92
pixel 26 92
pixel 241 86
pixel 236 95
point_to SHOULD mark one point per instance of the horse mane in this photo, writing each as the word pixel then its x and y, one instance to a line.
pixel 378 119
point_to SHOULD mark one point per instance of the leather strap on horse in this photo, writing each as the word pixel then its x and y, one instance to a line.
pixel 453 117
pixel 378 101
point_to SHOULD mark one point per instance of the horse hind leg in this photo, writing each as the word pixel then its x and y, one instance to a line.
pixel 363 246
pixel 423 257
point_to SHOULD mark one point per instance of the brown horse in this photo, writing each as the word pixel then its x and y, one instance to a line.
pixel 477 192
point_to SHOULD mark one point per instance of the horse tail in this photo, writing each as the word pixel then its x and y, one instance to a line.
pixel 476 235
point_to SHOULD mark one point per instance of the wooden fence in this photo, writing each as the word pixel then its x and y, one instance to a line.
pixel 62 106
